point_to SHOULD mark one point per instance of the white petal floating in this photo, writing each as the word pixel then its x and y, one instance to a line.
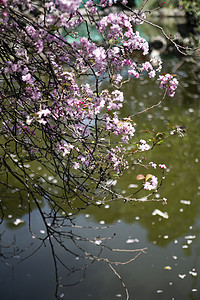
pixel 160 213
pixel 132 185
pixel 18 221
pixel 182 276
pixel 190 237
pixel 168 268
pixel 193 273
pixel 131 241
pixel 187 202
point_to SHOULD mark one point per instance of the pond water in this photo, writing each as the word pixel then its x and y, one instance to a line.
pixel 169 268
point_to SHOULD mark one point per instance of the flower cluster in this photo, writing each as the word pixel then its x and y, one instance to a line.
pixel 147 67
pixel 120 127
pixel 65 148
pixel 68 5
pixel 169 83
pixel 53 100
pixel 178 130
pixel 117 29
pixel 89 54
pixel 143 146
pixel 151 184
pixel 154 165
pixel 115 157
pixel 113 100
pixel 138 18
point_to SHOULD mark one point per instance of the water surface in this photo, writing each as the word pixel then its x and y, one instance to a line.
pixel 170 266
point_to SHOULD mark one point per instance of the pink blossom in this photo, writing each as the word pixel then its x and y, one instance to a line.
pixel 152 184
pixel 99 53
pixel 28 78
pixel 136 17
pixel 39 45
pixel 154 165
pixel 144 146
pixel 3 2
pixel 89 3
pixel 117 78
pixel 116 100
pixel 76 165
pixel 147 66
pixel 43 112
pixel 65 148
pixel 68 5
pixel 152 74
pixel 117 161
pixel 83 160
pixel 29 120
pixel 134 73
pixel 42 121
pixel 163 166
pixel 169 83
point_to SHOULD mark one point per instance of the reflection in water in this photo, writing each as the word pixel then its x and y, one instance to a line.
pixel 71 248
pixel 51 252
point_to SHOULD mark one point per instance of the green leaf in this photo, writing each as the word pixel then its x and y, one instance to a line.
pixel 171 126
pixel 159 135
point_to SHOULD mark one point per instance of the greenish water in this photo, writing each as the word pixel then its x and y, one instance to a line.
pixel 170 268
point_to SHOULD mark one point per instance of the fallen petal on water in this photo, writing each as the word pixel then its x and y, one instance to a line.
pixel 168 268
pixel 131 241
pixel 18 221
pixel 98 242
pixel 187 202
pixel 189 242
pixel 189 237
pixel 132 185
pixel 182 276
pixel 193 273
pixel 160 213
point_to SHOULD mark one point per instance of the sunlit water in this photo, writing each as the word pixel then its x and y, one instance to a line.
pixel 170 266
